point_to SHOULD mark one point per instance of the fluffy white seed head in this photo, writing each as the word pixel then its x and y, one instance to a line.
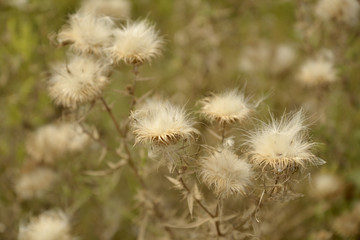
pixel 346 11
pixel 78 82
pixel 87 33
pixel 52 141
pixel 317 71
pixel 51 225
pixel 282 143
pixel 135 43
pixel 161 123
pixel 119 9
pixel 225 173
pixel 225 108
pixel 36 183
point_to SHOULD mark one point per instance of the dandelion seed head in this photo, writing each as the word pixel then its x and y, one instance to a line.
pixel 135 43
pixel 225 173
pixel 52 141
pixel 317 71
pixel 87 33
pixel 161 123
pixel 346 11
pixel 36 183
pixel 78 82
pixel 226 108
pixel 282 144
pixel 50 225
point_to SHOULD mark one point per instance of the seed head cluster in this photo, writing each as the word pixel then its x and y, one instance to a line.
pixel 282 143
pixel 78 82
pixel 317 71
pixel 50 225
pixel 136 42
pixel 225 173
pixel 52 141
pixel 36 183
pixel 87 33
pixel 160 122
pixel 345 11
pixel 225 108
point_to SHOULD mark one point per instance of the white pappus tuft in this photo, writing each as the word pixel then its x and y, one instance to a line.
pixel 135 43
pixel 78 82
pixel 282 144
pixel 160 122
pixel 225 172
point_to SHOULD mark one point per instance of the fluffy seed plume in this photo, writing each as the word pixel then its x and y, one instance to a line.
pixel 282 144
pixel 317 71
pixel 51 141
pixel 346 11
pixel 87 33
pixel 80 81
pixel 225 108
pixel 51 225
pixel 119 9
pixel 135 43
pixel 327 186
pixel 161 123
pixel 36 183
pixel 225 173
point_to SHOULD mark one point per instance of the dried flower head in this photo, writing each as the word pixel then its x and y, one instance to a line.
pixel 87 33
pixel 346 11
pixel 225 173
pixel 228 107
pixel 135 43
pixel 80 81
pixel 36 183
pixel 119 9
pixel 317 71
pixel 53 140
pixel 326 185
pixel 282 144
pixel 50 225
pixel 161 123
pixel 283 58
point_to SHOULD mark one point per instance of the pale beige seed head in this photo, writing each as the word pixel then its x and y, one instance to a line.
pixel 282 143
pixel 54 140
pixel 225 173
pixel 327 186
pixel 283 58
pixel 36 183
pixel 118 9
pixel 317 71
pixel 87 33
pixel 255 57
pixel 345 11
pixel 135 43
pixel 78 82
pixel 225 108
pixel 50 225
pixel 160 122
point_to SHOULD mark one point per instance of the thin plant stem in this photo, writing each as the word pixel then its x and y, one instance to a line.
pixel 212 215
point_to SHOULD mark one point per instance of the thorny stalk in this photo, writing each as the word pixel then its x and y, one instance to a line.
pixel 132 165
pixel 212 215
